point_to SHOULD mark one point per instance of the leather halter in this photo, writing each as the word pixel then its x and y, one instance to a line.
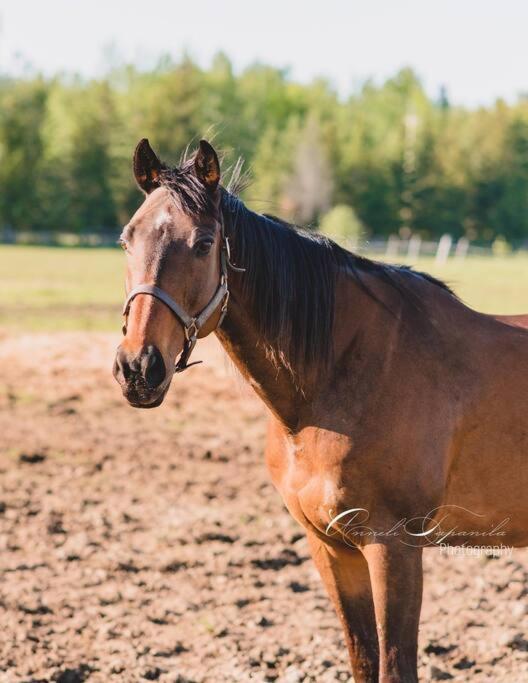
pixel 191 324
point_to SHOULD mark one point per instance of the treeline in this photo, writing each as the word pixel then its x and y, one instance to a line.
pixel 402 161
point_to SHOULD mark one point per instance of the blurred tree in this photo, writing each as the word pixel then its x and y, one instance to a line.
pixel 22 114
pixel 406 163
pixel 271 164
pixel 509 213
pixel 308 191
pixel 76 185
pixel 164 105
pixel 341 223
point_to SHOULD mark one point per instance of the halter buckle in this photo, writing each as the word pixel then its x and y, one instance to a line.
pixel 191 331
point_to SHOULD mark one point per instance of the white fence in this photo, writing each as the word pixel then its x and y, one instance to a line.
pixel 394 248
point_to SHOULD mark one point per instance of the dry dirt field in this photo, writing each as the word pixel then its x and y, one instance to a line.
pixel 151 545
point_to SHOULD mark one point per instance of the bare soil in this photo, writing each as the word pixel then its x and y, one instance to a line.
pixel 151 545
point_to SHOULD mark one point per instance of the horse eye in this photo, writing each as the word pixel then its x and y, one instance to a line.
pixel 203 247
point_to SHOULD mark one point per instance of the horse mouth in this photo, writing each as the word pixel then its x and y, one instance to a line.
pixel 154 404
pixel 142 399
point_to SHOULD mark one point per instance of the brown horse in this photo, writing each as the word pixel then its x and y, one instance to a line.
pixel 399 416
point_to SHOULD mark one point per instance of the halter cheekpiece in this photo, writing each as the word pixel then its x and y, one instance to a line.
pixel 192 324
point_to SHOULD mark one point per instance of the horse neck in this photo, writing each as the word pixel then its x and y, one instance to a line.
pixel 283 391
pixel 295 399
pixel 288 392
pixel 372 327
pixel 274 384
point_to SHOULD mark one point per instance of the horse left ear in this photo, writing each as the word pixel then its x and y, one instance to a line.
pixel 147 167
pixel 207 166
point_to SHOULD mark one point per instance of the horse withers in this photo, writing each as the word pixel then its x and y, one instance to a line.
pixel 399 416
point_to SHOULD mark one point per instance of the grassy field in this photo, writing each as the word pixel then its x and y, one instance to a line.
pixel 49 289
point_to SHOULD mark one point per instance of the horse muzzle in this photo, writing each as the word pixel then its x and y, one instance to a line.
pixel 142 376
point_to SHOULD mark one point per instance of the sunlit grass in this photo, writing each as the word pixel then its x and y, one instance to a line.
pixel 489 284
pixel 60 288
pixel 51 289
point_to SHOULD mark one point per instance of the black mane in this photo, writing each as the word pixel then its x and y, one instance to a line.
pixel 290 282
pixel 290 273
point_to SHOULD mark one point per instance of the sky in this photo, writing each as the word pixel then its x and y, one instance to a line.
pixel 478 49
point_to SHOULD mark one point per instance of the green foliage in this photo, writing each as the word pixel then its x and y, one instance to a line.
pixel 405 162
pixel 22 115
pixel 341 223
pixel 500 246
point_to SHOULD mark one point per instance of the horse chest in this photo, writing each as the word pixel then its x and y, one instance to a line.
pixel 307 478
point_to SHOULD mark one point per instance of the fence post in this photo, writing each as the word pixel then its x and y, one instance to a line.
pixel 393 244
pixel 461 248
pixel 413 251
pixel 444 247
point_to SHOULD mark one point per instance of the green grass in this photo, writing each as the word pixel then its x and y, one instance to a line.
pixel 490 284
pixel 47 289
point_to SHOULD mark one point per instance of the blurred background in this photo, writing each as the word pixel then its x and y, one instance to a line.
pixel 151 545
pixel 387 127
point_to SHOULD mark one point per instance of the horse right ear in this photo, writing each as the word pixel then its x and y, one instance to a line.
pixel 147 167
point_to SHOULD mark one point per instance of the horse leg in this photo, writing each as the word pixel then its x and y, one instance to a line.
pixel 345 574
pixel 396 575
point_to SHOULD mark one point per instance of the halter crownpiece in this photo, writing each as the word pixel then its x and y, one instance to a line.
pixel 191 324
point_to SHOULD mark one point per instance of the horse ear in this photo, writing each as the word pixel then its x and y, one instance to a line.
pixel 207 166
pixel 147 167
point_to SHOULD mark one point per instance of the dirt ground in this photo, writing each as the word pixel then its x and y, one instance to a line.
pixel 151 545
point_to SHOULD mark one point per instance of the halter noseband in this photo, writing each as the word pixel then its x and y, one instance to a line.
pixel 191 324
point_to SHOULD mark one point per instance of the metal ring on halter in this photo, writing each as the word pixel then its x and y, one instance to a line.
pixel 187 330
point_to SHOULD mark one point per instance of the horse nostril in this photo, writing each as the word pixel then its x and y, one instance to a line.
pixel 147 366
pixel 153 367
pixel 121 366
